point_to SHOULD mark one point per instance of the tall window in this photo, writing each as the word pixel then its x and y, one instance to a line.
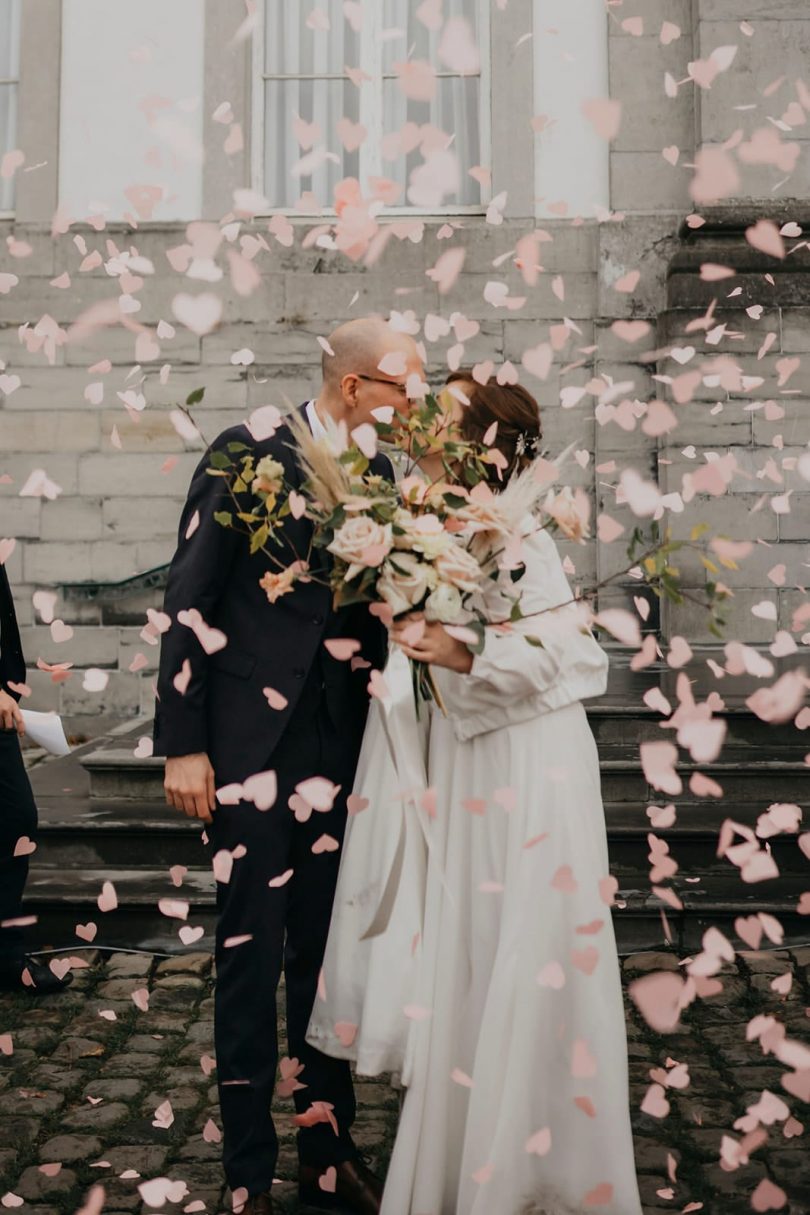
pixel 310 113
pixel 9 81
pixel 570 68
pixel 131 80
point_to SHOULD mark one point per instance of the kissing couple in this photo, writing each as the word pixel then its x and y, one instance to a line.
pixel 446 913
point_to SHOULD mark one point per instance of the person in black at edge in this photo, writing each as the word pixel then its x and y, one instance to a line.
pixel 18 815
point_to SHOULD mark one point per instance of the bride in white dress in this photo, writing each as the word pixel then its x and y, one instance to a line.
pixel 472 948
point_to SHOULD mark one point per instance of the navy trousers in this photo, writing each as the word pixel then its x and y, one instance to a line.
pixel 287 926
pixel 18 817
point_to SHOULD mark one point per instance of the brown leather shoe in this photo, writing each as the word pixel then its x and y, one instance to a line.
pixel 256 1204
pixel 356 1187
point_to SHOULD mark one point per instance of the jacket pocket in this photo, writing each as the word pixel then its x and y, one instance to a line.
pixel 234 661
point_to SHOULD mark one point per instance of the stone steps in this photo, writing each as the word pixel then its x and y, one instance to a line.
pixel 64 899
pixel 630 723
pixel 103 817
pixel 134 833
pixel 744 774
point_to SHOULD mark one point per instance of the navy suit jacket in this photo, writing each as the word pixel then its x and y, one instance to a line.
pixel 224 711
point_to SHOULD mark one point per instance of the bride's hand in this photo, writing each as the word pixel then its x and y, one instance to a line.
pixel 431 643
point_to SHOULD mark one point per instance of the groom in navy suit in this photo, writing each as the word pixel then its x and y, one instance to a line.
pixel 275 699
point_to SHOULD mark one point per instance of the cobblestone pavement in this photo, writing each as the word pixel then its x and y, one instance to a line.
pixel 84 1072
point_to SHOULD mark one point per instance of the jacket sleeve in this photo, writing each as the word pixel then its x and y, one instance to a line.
pixel 12 662
pixel 513 678
pixel 198 576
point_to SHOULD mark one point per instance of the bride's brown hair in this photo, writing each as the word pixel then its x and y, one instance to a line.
pixel 517 413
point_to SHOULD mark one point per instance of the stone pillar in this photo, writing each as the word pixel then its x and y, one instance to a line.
pixel 744 340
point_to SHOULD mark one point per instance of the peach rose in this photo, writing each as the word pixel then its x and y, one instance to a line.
pixel 570 511
pixel 276 585
pixel 361 542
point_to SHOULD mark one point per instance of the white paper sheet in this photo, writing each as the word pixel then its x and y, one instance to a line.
pixel 46 730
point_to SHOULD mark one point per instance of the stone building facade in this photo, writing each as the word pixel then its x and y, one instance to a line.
pixel 712 124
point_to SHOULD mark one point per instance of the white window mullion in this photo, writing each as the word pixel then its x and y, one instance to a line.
pixel 105 136
pixel 371 94
pixel 258 104
pixel 10 13
pixel 572 162
pixel 485 92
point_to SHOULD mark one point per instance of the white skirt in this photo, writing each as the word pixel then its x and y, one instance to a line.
pixel 494 984
pixel 373 949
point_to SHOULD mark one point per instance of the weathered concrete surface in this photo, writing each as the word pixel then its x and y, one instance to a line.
pixel 80 1089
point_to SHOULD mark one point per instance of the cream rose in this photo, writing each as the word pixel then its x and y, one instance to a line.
pixel 458 567
pixel 404 582
pixel 362 542
pixel 423 534
pixel 269 475
pixel 482 516
pixel 444 604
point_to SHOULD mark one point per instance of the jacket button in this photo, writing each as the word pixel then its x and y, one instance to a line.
pixel 299 672
pixel 317 619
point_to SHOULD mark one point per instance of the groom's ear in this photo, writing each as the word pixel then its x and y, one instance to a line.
pixel 349 386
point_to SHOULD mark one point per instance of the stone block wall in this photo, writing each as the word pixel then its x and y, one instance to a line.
pixel 123 470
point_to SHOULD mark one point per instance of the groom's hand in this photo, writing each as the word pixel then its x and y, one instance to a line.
pixel 189 785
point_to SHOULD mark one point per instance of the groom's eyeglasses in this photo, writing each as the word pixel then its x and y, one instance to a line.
pixel 375 379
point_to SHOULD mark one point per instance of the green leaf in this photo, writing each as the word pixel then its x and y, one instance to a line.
pixel 223 517
pixel 259 538
pixel 219 460
pixel 479 628
pixel 195 397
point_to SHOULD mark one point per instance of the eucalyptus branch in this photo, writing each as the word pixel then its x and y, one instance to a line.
pixel 594 590
pixel 192 399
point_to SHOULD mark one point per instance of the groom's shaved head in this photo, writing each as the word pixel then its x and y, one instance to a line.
pixel 358 347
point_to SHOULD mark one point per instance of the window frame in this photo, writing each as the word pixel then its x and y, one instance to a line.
pixel 371 162
pixel 10 213
pixel 593 151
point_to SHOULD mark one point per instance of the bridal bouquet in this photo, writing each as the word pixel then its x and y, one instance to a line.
pixel 415 545
pixel 409 545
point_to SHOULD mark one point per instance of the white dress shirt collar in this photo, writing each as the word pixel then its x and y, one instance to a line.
pixel 315 424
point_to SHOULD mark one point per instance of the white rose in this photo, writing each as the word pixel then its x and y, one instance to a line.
pixel 459 568
pixel 270 468
pixel 423 534
pixel 362 542
pixel 444 604
pixel 269 475
pixel 404 582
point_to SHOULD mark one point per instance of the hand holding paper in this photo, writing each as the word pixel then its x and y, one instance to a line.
pixel 46 730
